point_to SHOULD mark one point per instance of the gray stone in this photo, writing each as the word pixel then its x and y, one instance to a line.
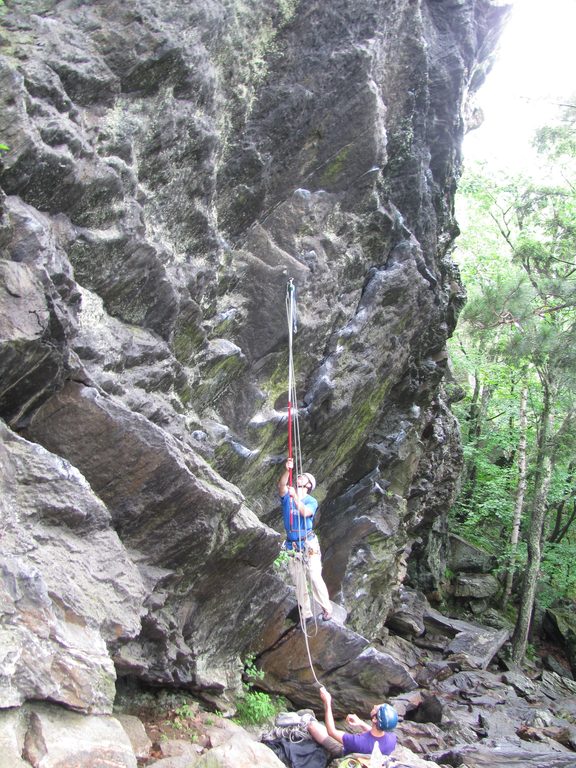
pixel 68 585
pixel 57 738
pixel 556 686
pixel 464 556
pixel 186 761
pixel 223 731
pixel 559 624
pixel 475 586
pixel 12 732
pixel 180 748
pixel 554 665
pixel 239 753
pixel 472 646
pixel 136 732
pixel 150 483
pixel 502 757
pixel 31 360
pixel 407 618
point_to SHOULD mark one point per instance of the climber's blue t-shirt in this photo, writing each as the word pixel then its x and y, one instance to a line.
pixel 297 525
pixel 363 743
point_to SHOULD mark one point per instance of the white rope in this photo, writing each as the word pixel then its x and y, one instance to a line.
pixel 301 557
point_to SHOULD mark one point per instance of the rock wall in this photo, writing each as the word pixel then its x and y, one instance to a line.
pixel 171 167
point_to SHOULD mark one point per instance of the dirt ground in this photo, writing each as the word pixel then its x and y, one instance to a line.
pixel 168 717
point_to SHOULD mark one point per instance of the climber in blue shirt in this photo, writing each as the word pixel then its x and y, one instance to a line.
pixel 298 510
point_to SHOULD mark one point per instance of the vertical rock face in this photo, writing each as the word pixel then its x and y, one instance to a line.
pixel 171 167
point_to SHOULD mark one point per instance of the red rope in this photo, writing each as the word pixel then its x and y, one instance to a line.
pixel 290 437
pixel 290 456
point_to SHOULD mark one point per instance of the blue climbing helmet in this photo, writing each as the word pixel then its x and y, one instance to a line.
pixel 386 717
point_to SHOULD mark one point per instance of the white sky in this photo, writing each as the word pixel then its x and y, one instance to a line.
pixel 535 68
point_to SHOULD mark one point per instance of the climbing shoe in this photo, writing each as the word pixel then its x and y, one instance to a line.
pixel 285 719
pixel 306 715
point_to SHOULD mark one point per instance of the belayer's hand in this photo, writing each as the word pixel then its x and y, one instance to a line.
pixel 289 463
pixel 353 720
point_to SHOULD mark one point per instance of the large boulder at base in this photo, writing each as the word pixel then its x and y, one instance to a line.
pixel 69 589
pixel 48 736
pixel 239 753
pixel 356 673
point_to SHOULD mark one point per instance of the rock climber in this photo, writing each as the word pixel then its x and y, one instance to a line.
pixel 383 720
pixel 298 510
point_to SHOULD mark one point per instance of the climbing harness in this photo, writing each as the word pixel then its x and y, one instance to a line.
pixel 300 555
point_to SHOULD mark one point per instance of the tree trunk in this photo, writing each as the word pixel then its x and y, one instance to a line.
pixel 476 417
pixel 520 493
pixel 542 477
pixel 562 523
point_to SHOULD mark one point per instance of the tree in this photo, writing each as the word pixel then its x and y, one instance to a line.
pixel 522 313
pixel 520 494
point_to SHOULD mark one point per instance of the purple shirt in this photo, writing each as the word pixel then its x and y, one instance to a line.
pixel 363 743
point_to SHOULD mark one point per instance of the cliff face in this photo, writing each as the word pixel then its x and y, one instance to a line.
pixel 171 167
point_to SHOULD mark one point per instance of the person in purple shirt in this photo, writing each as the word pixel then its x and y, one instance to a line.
pixel 383 720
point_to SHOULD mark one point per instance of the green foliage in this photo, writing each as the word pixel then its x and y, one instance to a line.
pixel 559 141
pixel 256 707
pixel 251 670
pixel 185 710
pixel 282 560
pixel 531 652
pixel 518 329
pixel 558 565
pixel 182 718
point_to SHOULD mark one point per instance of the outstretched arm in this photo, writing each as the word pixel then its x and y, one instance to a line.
pixel 329 717
pixel 283 487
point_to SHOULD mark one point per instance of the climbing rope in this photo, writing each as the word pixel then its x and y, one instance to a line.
pixel 295 453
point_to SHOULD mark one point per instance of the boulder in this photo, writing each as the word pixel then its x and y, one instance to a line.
pixel 476 586
pixel 502 757
pixel 134 728
pixel 407 616
pixel 58 738
pixel 559 624
pixel 464 556
pixel 183 761
pixel 356 673
pixel 11 739
pixel 69 588
pixel 239 753
pixel 469 645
